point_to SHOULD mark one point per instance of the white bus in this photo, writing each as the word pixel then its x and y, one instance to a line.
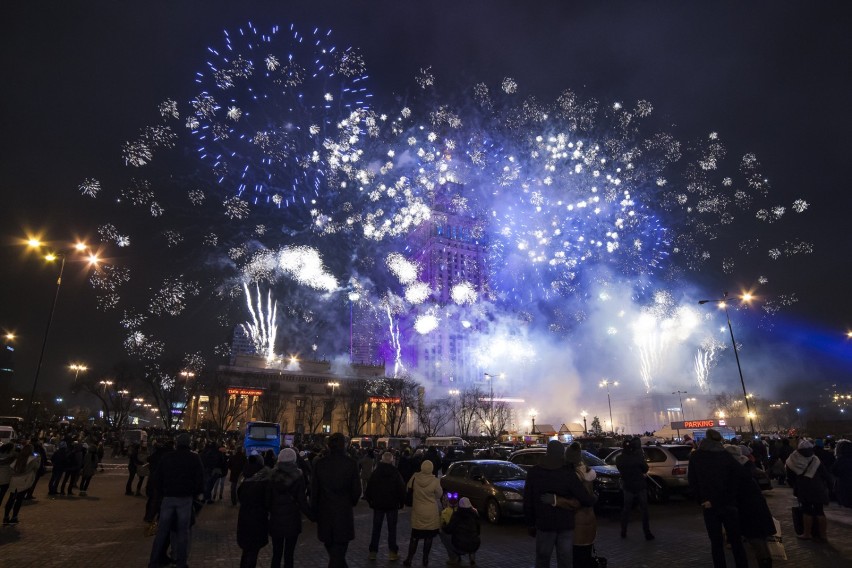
pixel 445 442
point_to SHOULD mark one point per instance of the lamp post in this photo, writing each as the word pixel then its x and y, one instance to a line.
pixel 333 385
pixel 77 368
pixel 692 413
pixel 606 384
pixel 680 394
pixel 585 428
pixel 50 257
pixel 723 304
pixel 533 414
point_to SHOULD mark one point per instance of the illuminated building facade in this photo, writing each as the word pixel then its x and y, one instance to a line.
pixel 450 250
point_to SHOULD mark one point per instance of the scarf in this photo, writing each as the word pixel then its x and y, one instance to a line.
pixel 800 465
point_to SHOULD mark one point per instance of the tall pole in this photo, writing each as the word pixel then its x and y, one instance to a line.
pixel 680 394
pixel 724 304
pixel 44 342
pixel 740 369
pixel 609 402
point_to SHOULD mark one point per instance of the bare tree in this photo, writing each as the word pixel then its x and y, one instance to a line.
pixel 493 415
pixel 464 408
pixel 355 399
pixel 397 394
pixel 272 405
pixel 314 407
pixel 115 392
pixel 172 384
pixel 433 416
pixel 224 411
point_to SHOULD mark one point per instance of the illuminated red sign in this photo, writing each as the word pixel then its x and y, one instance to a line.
pixel 245 392
pixel 385 399
pixel 697 424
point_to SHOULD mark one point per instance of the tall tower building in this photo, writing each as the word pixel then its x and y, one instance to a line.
pixel 241 344
pixel 451 253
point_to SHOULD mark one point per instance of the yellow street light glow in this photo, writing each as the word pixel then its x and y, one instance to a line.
pixel 81 246
pixel 10 336
pixel 33 243
pixel 50 257
pixel 747 297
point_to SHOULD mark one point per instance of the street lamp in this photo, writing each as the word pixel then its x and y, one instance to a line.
pixel 50 257
pixel 680 394
pixel 606 384
pixel 333 385
pixel 533 414
pixel 105 384
pixel 187 374
pixel 585 428
pixel 77 368
pixel 723 304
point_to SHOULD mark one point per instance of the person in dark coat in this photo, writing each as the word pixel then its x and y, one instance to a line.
pixel 253 518
pixel 235 469
pixel 756 523
pixel 551 526
pixel 60 461
pixel 810 481
pixel 287 501
pixel 714 475
pixel 155 499
pixel 133 463
pixel 406 465
pixel 464 529
pixel 433 456
pixel 73 465
pixel 179 479
pixel 842 472
pixel 385 493
pixel 215 466
pixel 335 490
pixel 38 447
pixel 632 466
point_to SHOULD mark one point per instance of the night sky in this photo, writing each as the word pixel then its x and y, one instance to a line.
pixel 772 78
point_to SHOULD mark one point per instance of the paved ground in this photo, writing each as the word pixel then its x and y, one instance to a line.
pixel 106 529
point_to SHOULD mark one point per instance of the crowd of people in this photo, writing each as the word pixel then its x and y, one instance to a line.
pixel 179 474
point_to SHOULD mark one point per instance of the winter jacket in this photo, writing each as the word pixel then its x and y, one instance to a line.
pixel 632 466
pixel 366 463
pixel 24 480
pixel 585 521
pixel 213 460
pixel 74 463
pixel 385 489
pixel 235 466
pixel 552 478
pixel 179 474
pixel 6 460
pixel 809 478
pixel 755 516
pixel 286 501
pixel 426 491
pixel 464 528
pixel 253 517
pixel 60 460
pixel 335 490
pixel 842 471
pixel 714 474
pixel 90 462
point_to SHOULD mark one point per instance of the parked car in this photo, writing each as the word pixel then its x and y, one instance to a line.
pixel 607 484
pixel 668 466
pixel 494 487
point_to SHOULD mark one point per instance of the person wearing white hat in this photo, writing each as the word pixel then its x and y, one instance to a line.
pixel 464 529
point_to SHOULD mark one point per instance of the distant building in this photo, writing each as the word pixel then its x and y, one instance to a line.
pixel 241 343
pixel 451 252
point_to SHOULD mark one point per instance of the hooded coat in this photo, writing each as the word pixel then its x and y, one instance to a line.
pixel 842 471
pixel 754 514
pixel 286 500
pixel 335 490
pixel 632 466
pixel 253 518
pixel 464 528
pixel 385 489
pixel 426 493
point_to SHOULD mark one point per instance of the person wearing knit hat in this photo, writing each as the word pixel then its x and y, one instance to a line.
pixel 385 493
pixel 552 526
pixel 286 502
pixel 464 530
pixel 755 518
pixel 287 455
pixel 810 481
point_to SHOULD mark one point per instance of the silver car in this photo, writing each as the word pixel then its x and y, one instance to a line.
pixel 668 466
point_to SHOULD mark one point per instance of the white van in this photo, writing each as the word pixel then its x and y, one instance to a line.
pixel 397 443
pixel 7 434
pixel 445 442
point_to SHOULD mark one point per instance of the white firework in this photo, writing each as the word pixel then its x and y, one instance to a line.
pixel 402 268
pixel 417 292
pixel 90 187
pixel 305 266
pixel 426 323
pixel 464 293
pixel 262 329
